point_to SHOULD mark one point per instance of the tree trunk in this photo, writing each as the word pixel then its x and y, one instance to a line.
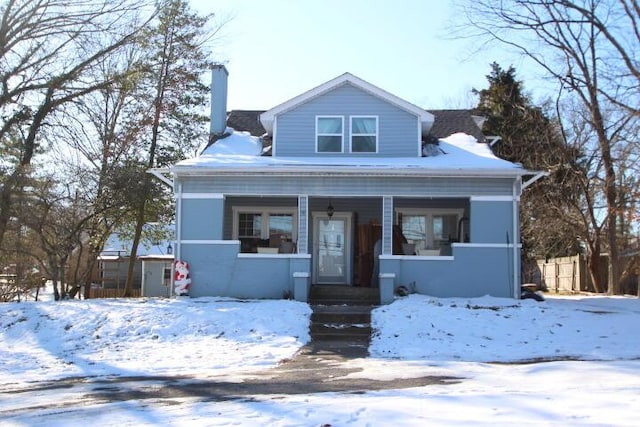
pixel 611 196
pixel 594 266
pixel 167 57
pixel 128 285
pixel 54 280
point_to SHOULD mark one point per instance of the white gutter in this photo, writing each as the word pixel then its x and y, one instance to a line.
pixel 516 235
pixel 533 179
pixel 161 173
pixel 492 140
pixel 327 170
pixel 179 223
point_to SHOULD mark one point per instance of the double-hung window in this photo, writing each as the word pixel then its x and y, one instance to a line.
pixel 264 228
pixel 364 134
pixel 329 134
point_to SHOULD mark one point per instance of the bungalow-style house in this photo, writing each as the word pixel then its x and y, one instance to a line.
pixel 347 185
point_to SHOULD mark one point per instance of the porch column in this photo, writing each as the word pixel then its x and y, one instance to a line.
pixel 387 225
pixel 303 225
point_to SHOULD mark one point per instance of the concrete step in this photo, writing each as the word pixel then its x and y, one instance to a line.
pixel 341 314
pixel 340 329
pixel 335 302
pixel 361 339
pixel 328 317
pixel 355 292
pixel 344 295
pixel 338 348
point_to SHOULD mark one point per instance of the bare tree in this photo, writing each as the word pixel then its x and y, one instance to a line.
pixel 178 58
pixel 590 47
pixel 48 51
pixel 98 130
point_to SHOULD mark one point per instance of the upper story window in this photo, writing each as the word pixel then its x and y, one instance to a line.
pixel 329 132
pixel 364 134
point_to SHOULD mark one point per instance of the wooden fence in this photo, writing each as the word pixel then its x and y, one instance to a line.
pixel 110 293
pixel 567 274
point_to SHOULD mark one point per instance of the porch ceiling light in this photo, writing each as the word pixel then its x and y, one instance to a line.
pixel 330 210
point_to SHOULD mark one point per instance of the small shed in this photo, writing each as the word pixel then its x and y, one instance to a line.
pixel 152 267
pixel 156 275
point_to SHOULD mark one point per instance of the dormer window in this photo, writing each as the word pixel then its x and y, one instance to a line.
pixel 329 133
pixel 364 134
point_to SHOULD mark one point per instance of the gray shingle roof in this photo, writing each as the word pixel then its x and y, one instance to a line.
pixel 448 122
pixel 246 121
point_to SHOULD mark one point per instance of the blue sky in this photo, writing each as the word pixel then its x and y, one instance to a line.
pixel 277 49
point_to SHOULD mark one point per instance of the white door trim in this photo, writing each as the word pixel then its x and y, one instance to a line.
pixel 348 244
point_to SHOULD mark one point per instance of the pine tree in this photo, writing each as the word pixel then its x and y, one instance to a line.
pixel 547 210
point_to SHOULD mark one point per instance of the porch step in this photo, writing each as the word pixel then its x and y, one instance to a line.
pixel 359 333
pixel 348 295
pixel 342 314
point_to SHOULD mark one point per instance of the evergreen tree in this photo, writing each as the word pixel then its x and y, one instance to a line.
pixel 547 210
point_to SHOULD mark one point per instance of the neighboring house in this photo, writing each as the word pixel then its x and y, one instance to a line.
pixel 349 186
pixel 152 269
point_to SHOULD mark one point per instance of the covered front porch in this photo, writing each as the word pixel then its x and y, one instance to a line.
pixel 437 236
pixel 341 233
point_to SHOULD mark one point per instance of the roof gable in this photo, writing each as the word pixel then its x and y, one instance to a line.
pixel 267 118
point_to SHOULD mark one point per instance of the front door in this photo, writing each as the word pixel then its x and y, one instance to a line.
pixel 332 248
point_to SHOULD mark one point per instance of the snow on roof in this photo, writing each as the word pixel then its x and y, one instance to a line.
pixel 240 150
pixel 237 143
pixel 118 246
pixel 461 144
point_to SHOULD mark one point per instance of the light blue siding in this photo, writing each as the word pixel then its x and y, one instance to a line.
pixel 218 270
pixel 201 219
pixel 398 130
pixel 349 186
pixel 473 272
pixel 492 222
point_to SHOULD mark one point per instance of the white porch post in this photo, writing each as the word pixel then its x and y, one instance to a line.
pixel 303 225
pixel 178 245
pixel 387 279
pixel 387 225
pixel 516 239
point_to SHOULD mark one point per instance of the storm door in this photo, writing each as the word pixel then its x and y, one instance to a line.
pixel 332 248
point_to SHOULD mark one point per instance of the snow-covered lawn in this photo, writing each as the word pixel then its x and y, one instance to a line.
pixel 590 345
pixel 203 336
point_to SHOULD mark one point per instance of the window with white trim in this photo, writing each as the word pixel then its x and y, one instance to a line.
pixel 265 228
pixel 364 134
pixel 429 230
pixel 329 134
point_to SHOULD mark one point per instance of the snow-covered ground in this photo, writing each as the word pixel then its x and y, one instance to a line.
pixel 586 352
